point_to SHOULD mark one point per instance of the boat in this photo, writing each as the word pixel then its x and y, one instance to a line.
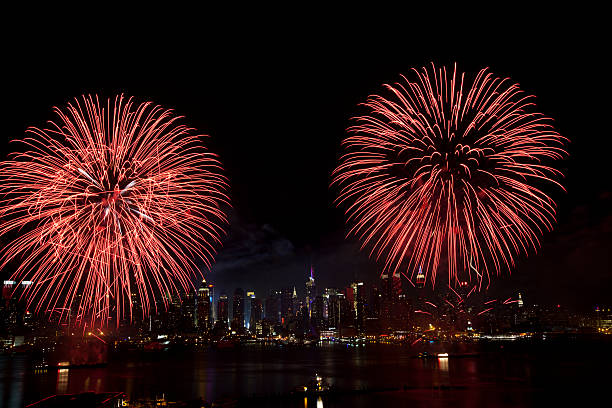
pixel 426 355
pixel 316 385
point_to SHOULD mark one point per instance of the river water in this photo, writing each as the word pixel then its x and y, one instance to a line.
pixel 545 373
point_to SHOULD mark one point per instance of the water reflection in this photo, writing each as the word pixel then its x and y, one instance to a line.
pixel 496 378
pixel 318 401
pixel 12 373
pixel 443 364
pixel 62 381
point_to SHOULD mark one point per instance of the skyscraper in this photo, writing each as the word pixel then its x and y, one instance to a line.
pixel 7 290
pixel 287 306
pixel 273 310
pixel 359 305
pixel 391 286
pixel 223 309
pixel 188 316
pixel 256 312
pixel 374 303
pixel 319 312
pixel 213 314
pixel 294 299
pixel 420 279
pixel 332 297
pixel 12 311
pixel 204 307
pixel 250 296
pixel 238 309
pixel 311 292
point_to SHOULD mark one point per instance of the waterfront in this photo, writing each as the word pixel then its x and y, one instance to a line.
pixel 500 374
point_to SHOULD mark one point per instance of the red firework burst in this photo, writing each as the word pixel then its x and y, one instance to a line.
pixel 114 200
pixel 447 172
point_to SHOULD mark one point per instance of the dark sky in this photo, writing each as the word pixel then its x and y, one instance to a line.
pixel 276 99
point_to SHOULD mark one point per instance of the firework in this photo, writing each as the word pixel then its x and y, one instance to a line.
pixel 114 204
pixel 449 174
pixel 467 304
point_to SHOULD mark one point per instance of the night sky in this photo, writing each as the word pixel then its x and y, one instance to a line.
pixel 276 100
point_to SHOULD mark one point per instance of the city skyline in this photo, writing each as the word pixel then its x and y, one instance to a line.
pixel 388 307
pixel 283 302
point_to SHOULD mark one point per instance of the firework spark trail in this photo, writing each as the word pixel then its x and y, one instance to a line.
pixel 113 200
pixel 479 308
pixel 484 311
pixel 448 171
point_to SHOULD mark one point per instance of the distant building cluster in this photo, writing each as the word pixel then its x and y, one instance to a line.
pixel 385 309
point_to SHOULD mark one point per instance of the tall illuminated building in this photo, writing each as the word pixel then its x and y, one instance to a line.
pixel 213 311
pixel 401 312
pixel 391 290
pixel 332 297
pixel 7 290
pixel 250 296
pixel 238 309
pixel 223 309
pixel 137 312
pixel 188 312
pixel 287 303
pixel 12 311
pixel 391 285
pixel 256 313
pixel 420 279
pixel 319 312
pixel 340 310
pixel 8 309
pixel 204 313
pixel 311 292
pixel 358 305
pixel 374 303
pixel 256 310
